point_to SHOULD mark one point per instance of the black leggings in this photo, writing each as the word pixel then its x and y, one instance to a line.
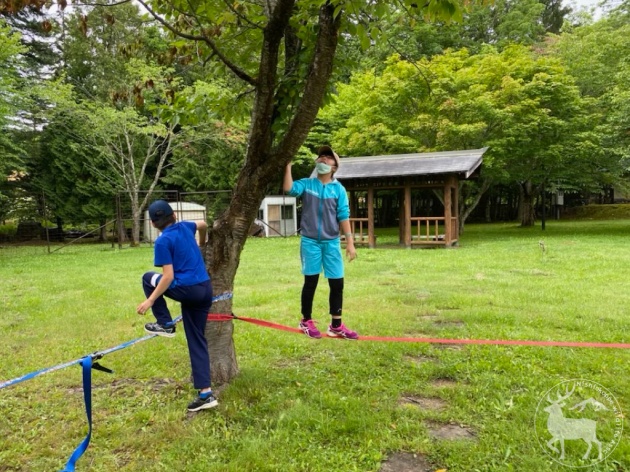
pixel 335 299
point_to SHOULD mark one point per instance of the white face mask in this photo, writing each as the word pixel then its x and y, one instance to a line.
pixel 322 168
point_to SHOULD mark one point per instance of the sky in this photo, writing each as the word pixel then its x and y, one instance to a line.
pixel 585 4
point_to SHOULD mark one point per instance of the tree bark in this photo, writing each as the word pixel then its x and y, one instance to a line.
pixel 266 157
pixel 221 348
pixel 466 209
pixel 135 225
pixel 102 234
pixel 526 206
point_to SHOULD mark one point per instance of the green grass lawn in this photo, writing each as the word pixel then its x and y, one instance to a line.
pixel 323 405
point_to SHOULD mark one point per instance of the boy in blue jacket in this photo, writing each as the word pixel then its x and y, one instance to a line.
pixel 324 209
pixel 184 278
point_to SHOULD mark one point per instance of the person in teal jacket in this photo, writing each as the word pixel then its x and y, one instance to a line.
pixel 324 210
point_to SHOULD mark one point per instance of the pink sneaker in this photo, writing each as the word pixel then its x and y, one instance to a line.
pixel 309 328
pixel 341 332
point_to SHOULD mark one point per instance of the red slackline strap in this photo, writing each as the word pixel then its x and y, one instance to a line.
pixel 510 342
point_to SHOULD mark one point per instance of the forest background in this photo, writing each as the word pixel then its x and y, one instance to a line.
pixel 103 100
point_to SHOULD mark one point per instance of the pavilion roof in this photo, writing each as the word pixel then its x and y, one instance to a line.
pixel 463 163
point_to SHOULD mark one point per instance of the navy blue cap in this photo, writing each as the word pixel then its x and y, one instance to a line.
pixel 159 209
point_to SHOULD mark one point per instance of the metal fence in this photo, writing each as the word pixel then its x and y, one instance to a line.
pixel 36 224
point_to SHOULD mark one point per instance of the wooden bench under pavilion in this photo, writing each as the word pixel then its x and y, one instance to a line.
pixel 439 172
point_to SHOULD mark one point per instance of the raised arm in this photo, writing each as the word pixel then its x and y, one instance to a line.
pixel 287 183
pixel 202 229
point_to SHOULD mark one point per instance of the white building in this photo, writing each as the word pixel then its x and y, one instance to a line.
pixel 183 211
pixel 278 214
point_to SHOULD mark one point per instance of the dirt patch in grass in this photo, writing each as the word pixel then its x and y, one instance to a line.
pixel 447 323
pixel 448 308
pixel 123 457
pixel 154 385
pixel 453 347
pixel 406 462
pixel 417 334
pixel 421 359
pixel 443 383
pixel 388 282
pixel 450 432
pixel 424 403
pixel 291 362
pixel 428 316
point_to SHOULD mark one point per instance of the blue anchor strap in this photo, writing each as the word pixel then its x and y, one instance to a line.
pixel 86 363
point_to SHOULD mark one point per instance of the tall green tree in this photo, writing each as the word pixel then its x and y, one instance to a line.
pixel 498 23
pixel 78 185
pixel 117 92
pixel 11 98
pixel 122 146
pixel 97 45
pixel 38 61
pixel 525 107
pixel 211 161
pixel 596 55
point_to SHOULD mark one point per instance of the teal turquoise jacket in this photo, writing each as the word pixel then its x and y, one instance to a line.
pixel 323 207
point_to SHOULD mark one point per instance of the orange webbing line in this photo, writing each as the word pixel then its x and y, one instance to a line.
pixel 510 342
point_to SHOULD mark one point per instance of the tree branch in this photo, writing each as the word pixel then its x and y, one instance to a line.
pixel 242 17
pixel 320 71
pixel 170 27
pixel 96 4
pixel 262 112
pixel 240 73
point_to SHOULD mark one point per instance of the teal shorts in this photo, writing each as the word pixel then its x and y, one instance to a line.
pixel 317 254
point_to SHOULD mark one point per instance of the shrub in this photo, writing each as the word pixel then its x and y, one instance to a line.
pixel 7 233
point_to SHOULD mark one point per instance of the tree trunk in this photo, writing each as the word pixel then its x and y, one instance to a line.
pixel 473 198
pixel 267 155
pixel 135 228
pixel 223 365
pixel 526 206
pixel 122 233
pixel 488 210
pixel 102 234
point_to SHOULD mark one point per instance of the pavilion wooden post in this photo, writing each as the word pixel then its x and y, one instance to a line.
pixel 370 209
pixel 448 205
pixel 353 205
pixel 451 228
pixel 401 217
pixel 407 214
pixel 455 200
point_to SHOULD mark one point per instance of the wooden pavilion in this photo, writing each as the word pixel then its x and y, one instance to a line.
pixel 414 183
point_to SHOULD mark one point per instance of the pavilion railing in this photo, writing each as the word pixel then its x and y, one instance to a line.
pixel 428 230
pixel 361 236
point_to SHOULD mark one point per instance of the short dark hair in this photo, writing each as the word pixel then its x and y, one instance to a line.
pixel 164 222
